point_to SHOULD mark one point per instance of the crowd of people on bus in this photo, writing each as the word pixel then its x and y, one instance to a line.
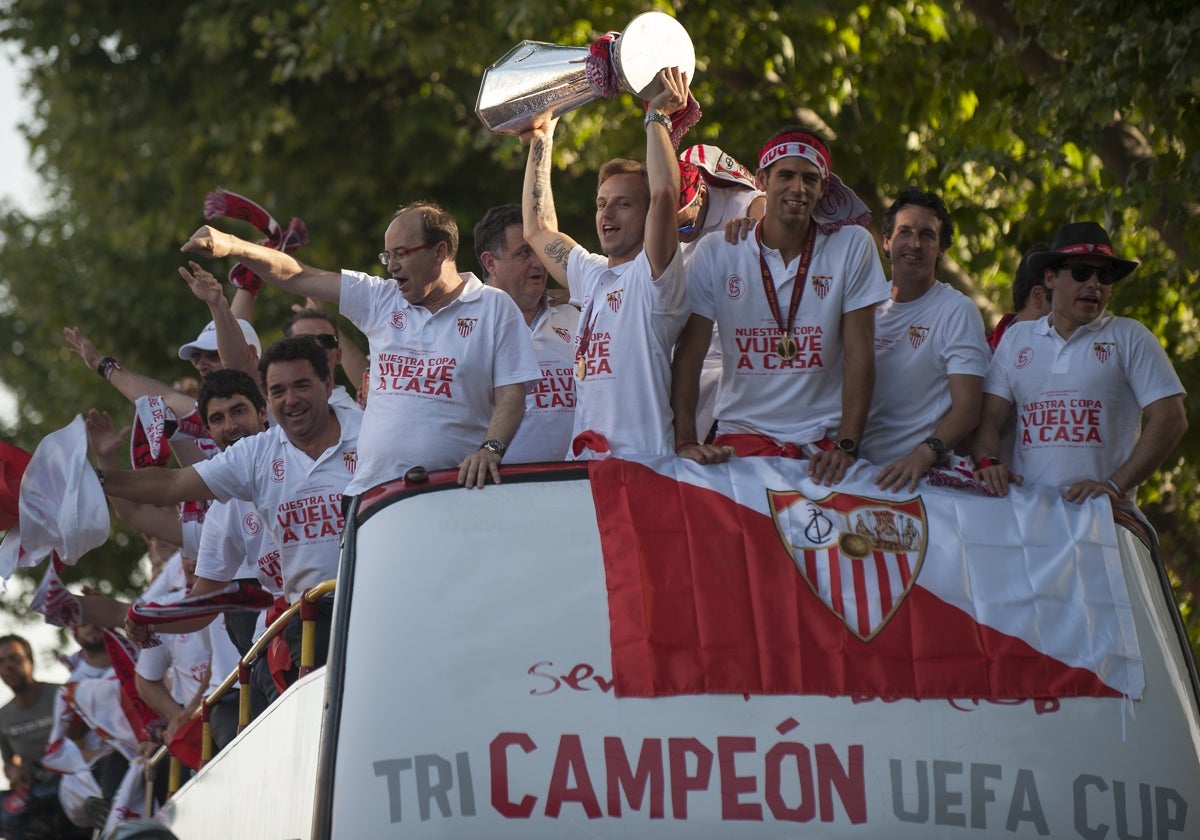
pixel 726 314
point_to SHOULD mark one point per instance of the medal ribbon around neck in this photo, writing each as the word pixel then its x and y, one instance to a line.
pixel 587 323
pixel 786 347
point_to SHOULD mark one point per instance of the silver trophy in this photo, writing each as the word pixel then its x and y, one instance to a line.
pixel 536 77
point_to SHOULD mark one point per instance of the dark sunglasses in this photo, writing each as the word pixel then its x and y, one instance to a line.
pixel 1081 273
pixel 329 342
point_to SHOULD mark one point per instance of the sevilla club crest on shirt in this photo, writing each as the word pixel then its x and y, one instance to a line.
pixel 1103 350
pixel 917 335
pixel 466 326
pixel 398 320
pixel 734 286
pixel 821 284
pixel 859 555
pixel 614 299
pixel 565 335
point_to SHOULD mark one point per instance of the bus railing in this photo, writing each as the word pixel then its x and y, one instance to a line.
pixel 240 676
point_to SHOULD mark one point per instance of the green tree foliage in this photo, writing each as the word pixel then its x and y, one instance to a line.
pixel 1023 115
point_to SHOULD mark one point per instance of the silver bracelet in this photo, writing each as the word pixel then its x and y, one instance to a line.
pixel 657 117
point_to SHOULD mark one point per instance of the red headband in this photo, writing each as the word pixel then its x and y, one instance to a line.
pixel 1088 248
pixel 689 183
pixel 796 144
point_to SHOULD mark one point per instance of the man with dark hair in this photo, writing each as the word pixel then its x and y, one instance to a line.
pixel 1031 298
pixel 930 355
pixel 794 304
pixel 294 473
pixel 633 296
pixel 1098 405
pixel 449 365
pixel 313 321
pixel 25 724
pixel 510 264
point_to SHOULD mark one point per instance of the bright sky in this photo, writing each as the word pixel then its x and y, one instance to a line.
pixel 19 185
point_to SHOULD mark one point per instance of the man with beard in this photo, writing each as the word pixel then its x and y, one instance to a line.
pixel 633 296
pixel 25 724
pixel 930 354
pixel 1081 380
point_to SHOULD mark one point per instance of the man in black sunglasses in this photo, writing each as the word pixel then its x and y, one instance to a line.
pixel 314 322
pixel 1081 381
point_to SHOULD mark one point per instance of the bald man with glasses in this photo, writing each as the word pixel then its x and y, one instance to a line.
pixel 450 358
pixel 1081 380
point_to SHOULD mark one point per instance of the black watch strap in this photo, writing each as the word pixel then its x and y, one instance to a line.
pixel 495 446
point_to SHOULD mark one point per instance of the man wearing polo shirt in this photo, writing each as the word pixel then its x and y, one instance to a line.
pixel 1081 381
pixel 510 265
pixel 450 357
pixel 794 304
pixel 633 296
pixel 294 473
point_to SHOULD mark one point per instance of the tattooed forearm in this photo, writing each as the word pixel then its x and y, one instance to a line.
pixel 558 250
pixel 543 198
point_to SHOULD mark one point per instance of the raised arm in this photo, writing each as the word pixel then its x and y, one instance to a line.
pixel 156 485
pixel 275 267
pixel 537 202
pixel 662 169
pixel 161 522
pixel 231 343
pixel 132 385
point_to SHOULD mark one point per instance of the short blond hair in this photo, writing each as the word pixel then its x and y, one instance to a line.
pixel 625 166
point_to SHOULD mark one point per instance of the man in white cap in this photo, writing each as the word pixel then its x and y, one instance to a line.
pixel 1081 380
pixel 202 353
pixel 795 307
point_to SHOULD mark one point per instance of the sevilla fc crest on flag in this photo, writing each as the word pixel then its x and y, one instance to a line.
pixel 466 326
pixel 860 556
pixel 614 299
pixel 1103 349
pixel 916 335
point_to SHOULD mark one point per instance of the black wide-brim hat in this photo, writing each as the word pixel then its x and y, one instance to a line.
pixel 1080 239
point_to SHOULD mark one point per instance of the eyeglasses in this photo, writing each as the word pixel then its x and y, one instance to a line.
pixel 400 253
pixel 1081 273
pixel 326 340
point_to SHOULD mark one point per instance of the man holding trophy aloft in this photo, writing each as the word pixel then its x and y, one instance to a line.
pixel 634 297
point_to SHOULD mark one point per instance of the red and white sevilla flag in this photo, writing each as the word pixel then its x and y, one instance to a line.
pixel 748 578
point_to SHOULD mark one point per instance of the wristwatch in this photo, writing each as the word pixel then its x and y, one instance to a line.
pixel 935 444
pixel 848 446
pixel 495 447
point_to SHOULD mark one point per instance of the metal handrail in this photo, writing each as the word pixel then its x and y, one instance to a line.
pixel 307 607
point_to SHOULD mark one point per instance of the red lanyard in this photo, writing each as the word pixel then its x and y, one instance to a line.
pixel 787 344
pixel 587 322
